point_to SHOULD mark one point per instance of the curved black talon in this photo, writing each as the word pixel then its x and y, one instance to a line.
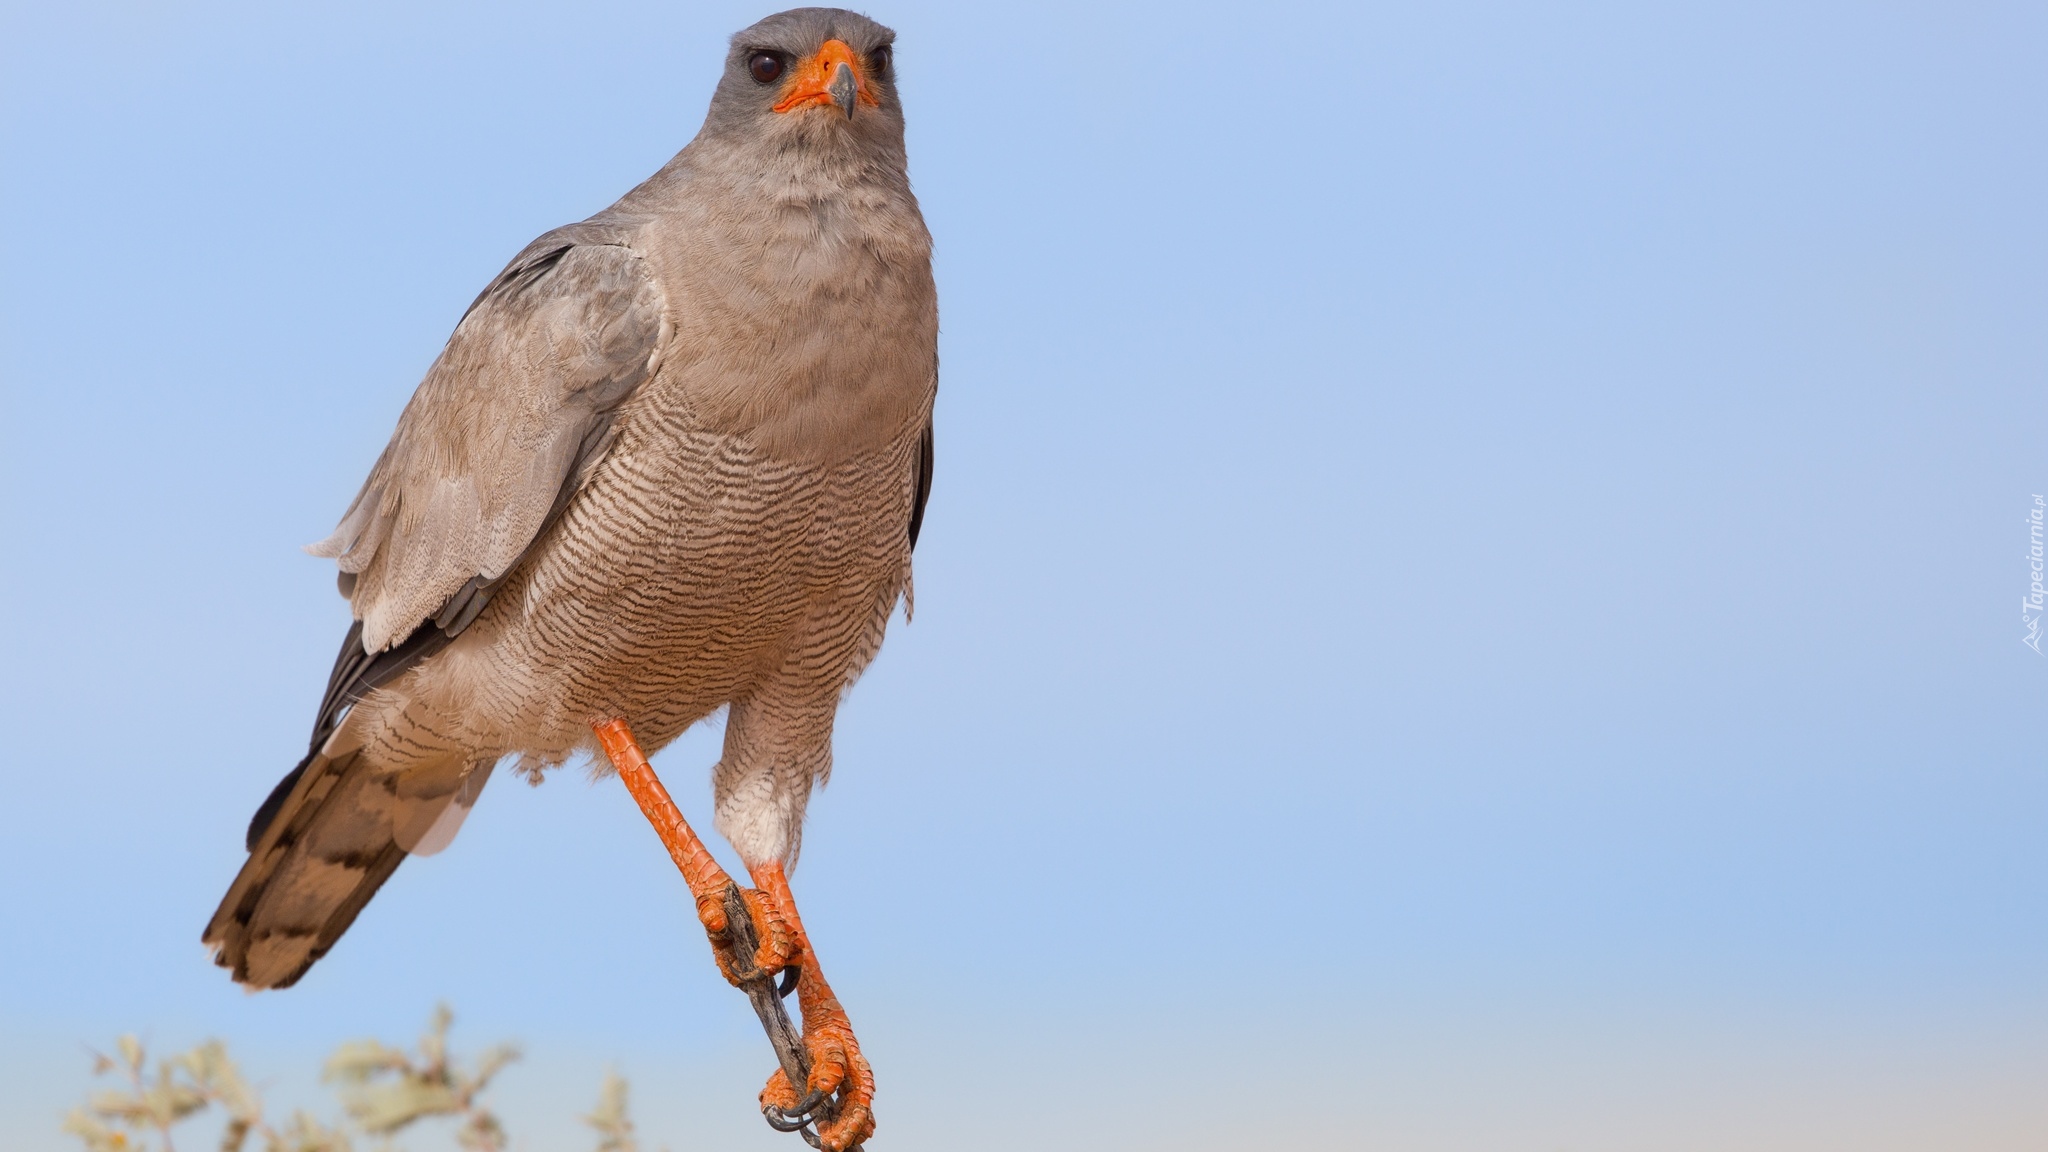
pixel 791 1119
pixel 799 1120
pixel 788 984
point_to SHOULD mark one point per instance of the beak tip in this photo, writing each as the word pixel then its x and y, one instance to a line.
pixel 844 88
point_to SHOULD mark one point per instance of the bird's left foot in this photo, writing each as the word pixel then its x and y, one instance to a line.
pixel 841 1093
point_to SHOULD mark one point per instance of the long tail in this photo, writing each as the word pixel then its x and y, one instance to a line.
pixel 339 826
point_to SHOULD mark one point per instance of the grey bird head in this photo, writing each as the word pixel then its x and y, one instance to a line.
pixel 809 77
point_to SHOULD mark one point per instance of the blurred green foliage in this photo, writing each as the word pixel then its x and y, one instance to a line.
pixel 383 1090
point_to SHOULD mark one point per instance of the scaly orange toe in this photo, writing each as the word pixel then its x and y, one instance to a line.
pixel 841 1091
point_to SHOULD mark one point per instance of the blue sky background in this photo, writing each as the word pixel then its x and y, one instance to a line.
pixel 1471 599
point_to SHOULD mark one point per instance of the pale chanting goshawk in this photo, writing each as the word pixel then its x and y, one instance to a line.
pixel 673 459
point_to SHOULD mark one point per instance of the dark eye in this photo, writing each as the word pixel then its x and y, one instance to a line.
pixel 764 66
pixel 879 60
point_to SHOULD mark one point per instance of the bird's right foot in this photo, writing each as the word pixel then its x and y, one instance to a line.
pixel 709 883
pixel 777 942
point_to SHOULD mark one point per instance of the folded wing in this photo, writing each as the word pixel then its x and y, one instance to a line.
pixel 499 435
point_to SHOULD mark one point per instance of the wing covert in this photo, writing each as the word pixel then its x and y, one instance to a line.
pixel 498 436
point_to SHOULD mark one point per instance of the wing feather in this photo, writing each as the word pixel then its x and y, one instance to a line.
pixel 499 434
pixel 921 485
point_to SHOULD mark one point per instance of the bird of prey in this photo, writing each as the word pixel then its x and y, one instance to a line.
pixel 673 459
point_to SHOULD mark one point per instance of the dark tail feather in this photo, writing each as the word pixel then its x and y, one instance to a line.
pixel 326 840
pixel 267 812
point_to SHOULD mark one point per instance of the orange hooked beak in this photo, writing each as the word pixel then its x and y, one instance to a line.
pixel 833 76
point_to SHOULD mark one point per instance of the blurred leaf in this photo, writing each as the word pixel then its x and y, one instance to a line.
pixel 360 1060
pixel 491 1063
pixel 434 1043
pixel 115 1104
pixel 383 1090
pixel 97 1136
pixel 386 1089
pixel 169 1102
pixel 482 1133
pixel 388 1107
pixel 307 1135
pixel 215 1074
pixel 613 1123
pixel 183 1085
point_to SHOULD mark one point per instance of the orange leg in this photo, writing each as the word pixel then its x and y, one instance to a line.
pixel 708 882
pixel 838 1070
